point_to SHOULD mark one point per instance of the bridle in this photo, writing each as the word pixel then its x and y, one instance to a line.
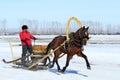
pixel 83 35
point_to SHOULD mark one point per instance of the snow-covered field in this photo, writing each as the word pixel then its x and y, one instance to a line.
pixel 104 60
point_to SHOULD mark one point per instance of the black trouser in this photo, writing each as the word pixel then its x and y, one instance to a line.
pixel 26 49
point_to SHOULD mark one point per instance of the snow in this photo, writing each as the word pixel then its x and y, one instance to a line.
pixel 104 60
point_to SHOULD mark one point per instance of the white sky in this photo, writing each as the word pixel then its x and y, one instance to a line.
pixel 105 11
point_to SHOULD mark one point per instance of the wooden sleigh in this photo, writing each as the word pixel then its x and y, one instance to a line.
pixel 38 53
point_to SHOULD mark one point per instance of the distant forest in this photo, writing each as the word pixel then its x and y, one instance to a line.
pixel 58 28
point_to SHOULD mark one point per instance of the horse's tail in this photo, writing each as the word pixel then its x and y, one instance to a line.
pixel 48 48
pixel 47 52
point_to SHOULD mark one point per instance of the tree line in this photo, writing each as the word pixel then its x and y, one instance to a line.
pixel 58 28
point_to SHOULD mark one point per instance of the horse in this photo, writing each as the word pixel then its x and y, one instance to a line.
pixel 71 47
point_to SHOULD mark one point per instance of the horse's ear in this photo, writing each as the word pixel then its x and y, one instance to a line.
pixel 87 28
pixel 83 27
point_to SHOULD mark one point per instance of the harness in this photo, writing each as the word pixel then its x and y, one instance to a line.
pixel 73 41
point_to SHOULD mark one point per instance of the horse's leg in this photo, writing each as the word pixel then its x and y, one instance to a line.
pixel 58 67
pixel 87 62
pixel 67 63
pixel 57 53
pixel 55 60
pixel 80 54
pixel 52 65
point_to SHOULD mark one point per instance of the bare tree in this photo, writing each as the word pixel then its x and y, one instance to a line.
pixel 55 27
pixel 3 27
pixel 108 29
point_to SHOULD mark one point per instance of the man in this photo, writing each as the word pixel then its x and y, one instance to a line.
pixel 25 38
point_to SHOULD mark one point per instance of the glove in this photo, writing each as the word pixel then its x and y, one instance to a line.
pixel 35 38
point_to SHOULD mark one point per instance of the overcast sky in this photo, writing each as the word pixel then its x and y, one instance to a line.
pixel 105 11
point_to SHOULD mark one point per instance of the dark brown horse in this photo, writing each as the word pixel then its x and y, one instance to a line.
pixel 71 47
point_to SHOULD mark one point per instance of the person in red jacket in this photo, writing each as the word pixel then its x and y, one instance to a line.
pixel 25 38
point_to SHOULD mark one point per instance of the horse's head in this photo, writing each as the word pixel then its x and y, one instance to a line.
pixel 83 35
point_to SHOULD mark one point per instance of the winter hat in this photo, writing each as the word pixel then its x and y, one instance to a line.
pixel 24 27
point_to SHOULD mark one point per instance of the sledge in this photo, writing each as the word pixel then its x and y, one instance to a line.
pixel 38 54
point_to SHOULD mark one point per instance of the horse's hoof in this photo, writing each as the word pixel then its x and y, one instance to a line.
pixel 61 71
pixel 89 68
pixel 50 66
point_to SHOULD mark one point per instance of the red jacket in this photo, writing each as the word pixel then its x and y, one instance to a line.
pixel 26 37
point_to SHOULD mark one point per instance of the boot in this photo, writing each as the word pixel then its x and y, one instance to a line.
pixel 23 62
